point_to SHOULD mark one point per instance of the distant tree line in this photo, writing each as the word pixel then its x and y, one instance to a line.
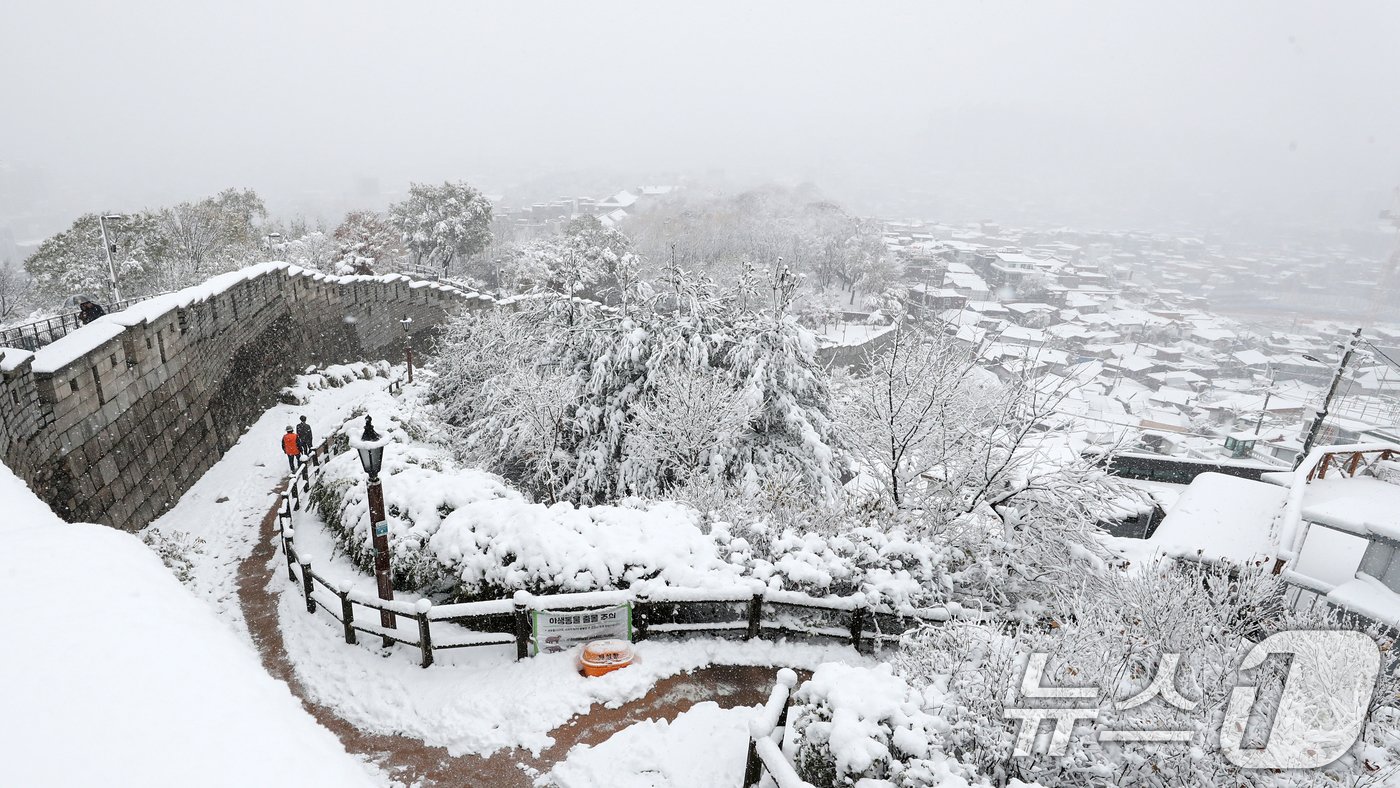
pixel 172 247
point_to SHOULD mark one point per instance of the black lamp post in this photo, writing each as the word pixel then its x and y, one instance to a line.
pixel 372 458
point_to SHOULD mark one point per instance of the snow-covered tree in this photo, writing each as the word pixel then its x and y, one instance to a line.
pixel 366 242
pixel 314 249
pixel 211 236
pixel 924 398
pixel 440 224
pixel 1196 624
pixel 680 436
pixel 15 288
pixel 752 370
pixel 587 260
pixel 74 262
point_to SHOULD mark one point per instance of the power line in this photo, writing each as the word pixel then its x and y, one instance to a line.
pixel 1382 353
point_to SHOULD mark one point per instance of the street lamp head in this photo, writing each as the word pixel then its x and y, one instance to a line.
pixel 1308 357
pixel 114 217
pixel 371 454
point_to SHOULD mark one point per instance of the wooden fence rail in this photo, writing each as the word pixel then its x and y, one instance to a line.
pixel 744 612
pixel 766 736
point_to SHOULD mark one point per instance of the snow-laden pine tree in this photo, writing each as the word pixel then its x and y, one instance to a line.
pixel 692 381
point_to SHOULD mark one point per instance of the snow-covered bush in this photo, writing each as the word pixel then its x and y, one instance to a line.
pixel 176 550
pixel 888 568
pixel 332 377
pixel 422 484
pixel 494 548
pixel 852 726
pixel 1117 640
pixel 461 531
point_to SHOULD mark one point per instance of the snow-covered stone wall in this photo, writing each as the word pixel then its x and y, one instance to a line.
pixel 112 423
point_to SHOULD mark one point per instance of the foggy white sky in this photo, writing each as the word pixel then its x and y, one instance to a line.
pixel 1068 111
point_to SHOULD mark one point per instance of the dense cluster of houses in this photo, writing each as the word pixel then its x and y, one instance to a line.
pixel 544 217
pixel 1153 369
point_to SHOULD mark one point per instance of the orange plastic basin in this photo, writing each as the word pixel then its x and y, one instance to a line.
pixel 605 656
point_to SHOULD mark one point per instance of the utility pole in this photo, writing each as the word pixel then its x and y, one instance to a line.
pixel 1349 349
pixel 1259 425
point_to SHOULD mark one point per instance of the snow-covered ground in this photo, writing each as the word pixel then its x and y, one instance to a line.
pixel 473 700
pixel 477 701
pixel 224 507
pixel 702 748
pixel 117 675
pixel 846 333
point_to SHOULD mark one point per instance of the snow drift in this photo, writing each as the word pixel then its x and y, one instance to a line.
pixel 119 675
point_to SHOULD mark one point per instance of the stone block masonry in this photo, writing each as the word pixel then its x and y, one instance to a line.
pixel 114 422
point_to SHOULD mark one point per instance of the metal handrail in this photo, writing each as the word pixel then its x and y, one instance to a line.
pixel 38 333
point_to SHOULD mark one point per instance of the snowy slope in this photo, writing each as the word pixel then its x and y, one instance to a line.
pixel 117 675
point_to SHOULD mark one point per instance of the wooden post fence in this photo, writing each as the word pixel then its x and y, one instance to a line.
pixel 347 616
pixel 522 629
pixel 425 633
pixel 755 616
pixel 306 583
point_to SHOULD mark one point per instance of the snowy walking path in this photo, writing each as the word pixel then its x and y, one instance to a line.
pixel 479 720
pixel 413 762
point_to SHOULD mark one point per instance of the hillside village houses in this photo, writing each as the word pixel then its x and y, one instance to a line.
pixel 1170 376
pixel 611 211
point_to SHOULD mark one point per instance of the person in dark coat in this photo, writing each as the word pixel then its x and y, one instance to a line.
pixel 304 437
pixel 290 448
pixel 89 311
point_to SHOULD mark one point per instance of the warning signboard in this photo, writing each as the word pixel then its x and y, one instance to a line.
pixel 553 631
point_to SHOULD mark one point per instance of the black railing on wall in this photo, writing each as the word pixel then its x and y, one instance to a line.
pixel 35 334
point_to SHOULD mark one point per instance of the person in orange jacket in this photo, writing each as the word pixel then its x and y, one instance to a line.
pixel 289 446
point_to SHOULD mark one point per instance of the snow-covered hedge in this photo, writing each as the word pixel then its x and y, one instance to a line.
pixel 422 484
pixel 493 548
pixel 887 567
pixel 463 531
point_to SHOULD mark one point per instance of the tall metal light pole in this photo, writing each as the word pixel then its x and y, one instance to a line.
pixel 371 449
pixel 1348 349
pixel 107 250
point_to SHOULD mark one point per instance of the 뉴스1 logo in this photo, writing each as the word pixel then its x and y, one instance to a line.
pixel 1331 677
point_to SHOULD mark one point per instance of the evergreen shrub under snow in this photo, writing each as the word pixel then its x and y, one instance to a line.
pixel 463 532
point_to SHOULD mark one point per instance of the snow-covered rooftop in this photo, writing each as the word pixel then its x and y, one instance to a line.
pixel 1222 517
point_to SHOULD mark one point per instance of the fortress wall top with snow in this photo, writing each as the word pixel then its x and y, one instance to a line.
pixel 112 423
